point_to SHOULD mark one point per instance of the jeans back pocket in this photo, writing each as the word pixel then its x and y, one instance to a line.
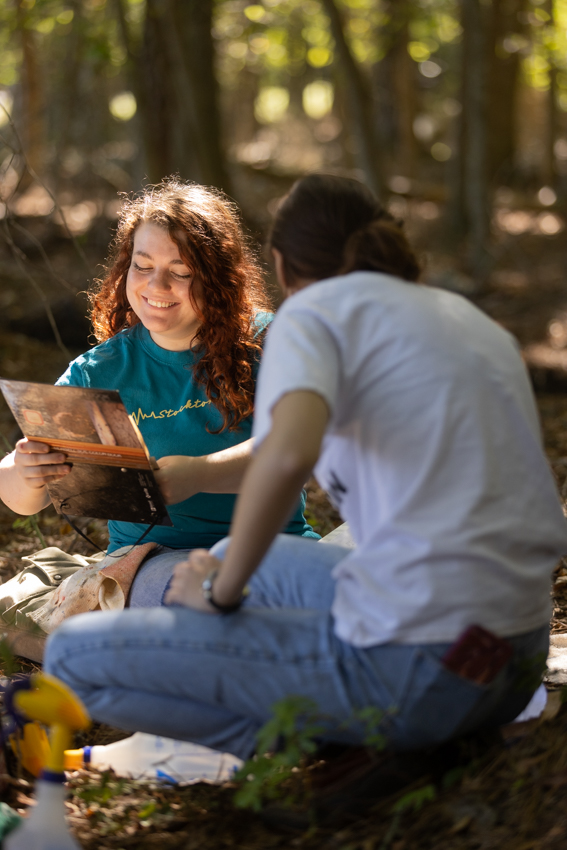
pixel 436 703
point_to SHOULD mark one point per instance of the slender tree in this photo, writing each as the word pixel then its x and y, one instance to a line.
pixel 173 76
pixel 476 193
pixel 505 20
pixel 69 91
pixel 549 172
pixel 32 118
pixel 359 101
pixel 404 83
pixel 147 72
pixel 468 210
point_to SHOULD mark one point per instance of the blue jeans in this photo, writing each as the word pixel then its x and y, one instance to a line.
pixel 153 577
pixel 213 679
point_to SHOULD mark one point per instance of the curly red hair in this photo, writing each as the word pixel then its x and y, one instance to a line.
pixel 205 225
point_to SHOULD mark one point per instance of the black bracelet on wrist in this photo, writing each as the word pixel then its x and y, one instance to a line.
pixel 207 590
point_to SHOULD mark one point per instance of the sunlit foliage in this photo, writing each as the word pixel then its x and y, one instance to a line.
pixel 281 53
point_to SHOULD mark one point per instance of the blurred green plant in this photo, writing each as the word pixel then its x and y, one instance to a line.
pixel 102 791
pixel 284 745
pixel 292 730
pixel 411 802
pixel 8 663
pixel 371 719
pixel 29 525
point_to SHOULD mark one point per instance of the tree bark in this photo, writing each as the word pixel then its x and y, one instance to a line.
pixel 394 81
pixel 174 82
pixel 476 205
pixel 502 94
pixel 147 72
pixel 405 89
pixel 549 171
pixel 359 102
pixel 475 160
pixel 33 135
pixel 194 18
pixel 69 97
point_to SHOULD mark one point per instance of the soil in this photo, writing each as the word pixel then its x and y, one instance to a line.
pixel 511 795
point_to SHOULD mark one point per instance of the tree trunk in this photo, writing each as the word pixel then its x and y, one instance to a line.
pixel 33 138
pixel 404 71
pixel 469 205
pixel 359 102
pixel 502 93
pixel 69 97
pixel 549 172
pixel 475 160
pixel 154 96
pixel 406 99
pixel 175 85
pixel 147 70
pixel 194 18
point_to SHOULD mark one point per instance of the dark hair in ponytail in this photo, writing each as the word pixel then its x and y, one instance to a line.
pixel 330 225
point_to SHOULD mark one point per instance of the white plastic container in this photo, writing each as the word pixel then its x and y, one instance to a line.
pixel 45 828
pixel 535 707
pixel 152 756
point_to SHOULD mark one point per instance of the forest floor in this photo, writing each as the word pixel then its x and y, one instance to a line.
pixel 510 796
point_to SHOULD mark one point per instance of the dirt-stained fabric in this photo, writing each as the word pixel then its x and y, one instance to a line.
pixel 100 586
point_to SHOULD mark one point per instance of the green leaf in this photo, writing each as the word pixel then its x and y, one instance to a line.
pixel 148 810
pixel 262 776
pixel 415 800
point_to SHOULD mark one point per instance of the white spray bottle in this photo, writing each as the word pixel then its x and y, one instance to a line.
pixel 52 703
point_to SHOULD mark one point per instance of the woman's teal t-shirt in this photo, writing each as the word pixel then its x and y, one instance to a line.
pixel 172 412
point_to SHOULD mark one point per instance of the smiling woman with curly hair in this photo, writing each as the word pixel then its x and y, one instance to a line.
pixel 180 316
pixel 205 227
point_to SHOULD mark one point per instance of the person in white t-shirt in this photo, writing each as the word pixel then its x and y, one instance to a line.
pixel 415 411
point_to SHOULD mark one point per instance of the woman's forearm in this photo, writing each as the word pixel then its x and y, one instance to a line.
pixel 271 487
pixel 181 476
pixel 223 472
pixel 268 497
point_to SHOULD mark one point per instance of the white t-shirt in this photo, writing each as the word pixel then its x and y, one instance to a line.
pixel 433 455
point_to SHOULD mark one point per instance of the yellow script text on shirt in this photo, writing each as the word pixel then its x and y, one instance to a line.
pixel 166 414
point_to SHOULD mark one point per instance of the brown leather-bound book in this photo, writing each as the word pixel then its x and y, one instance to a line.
pixel 111 475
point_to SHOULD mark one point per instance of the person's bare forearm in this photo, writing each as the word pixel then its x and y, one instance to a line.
pixel 181 476
pixel 223 472
pixel 269 495
pixel 271 487
pixel 16 494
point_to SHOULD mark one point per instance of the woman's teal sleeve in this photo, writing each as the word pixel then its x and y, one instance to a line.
pixel 73 377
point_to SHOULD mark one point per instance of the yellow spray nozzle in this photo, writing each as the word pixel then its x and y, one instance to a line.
pixel 52 703
pixel 32 747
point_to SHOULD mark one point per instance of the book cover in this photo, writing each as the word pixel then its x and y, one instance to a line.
pixel 111 475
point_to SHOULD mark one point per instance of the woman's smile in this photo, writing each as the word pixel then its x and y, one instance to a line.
pixel 162 289
pixel 160 304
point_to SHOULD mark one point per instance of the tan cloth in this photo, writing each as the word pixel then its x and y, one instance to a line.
pixel 102 586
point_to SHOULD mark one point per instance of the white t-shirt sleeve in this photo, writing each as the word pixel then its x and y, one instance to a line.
pixel 300 353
